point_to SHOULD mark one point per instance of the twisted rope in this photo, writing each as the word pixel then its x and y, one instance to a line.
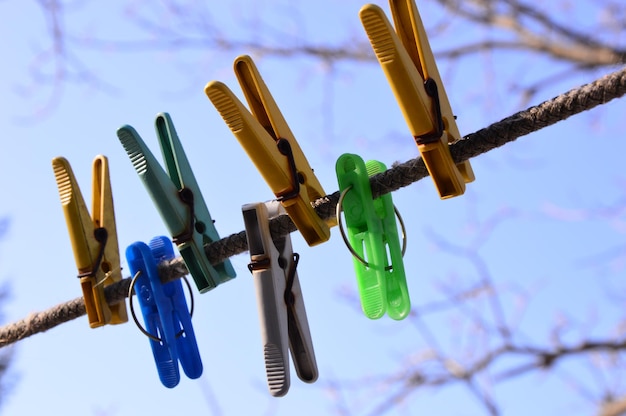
pixel 497 134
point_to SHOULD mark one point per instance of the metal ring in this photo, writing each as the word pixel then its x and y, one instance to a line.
pixel 347 242
pixel 131 290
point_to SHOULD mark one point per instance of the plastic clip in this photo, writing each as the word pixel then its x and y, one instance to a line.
pixel 284 324
pixel 410 68
pixel 94 239
pixel 373 240
pixel 178 198
pixel 165 312
pixel 268 141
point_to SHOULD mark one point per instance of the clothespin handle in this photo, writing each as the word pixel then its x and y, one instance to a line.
pixel 413 36
pixel 186 344
pixel 398 300
pixel 156 310
pixel 202 230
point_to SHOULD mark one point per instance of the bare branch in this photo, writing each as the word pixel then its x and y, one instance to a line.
pixel 615 407
pixel 532 30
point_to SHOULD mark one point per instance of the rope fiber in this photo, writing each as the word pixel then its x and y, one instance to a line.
pixel 497 134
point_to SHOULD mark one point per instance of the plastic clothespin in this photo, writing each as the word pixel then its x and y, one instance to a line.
pixel 268 141
pixel 410 68
pixel 93 238
pixel 284 324
pixel 178 198
pixel 373 239
pixel 165 313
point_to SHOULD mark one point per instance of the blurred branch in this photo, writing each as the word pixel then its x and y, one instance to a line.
pixel 615 407
pixel 511 25
pixel 506 25
pixel 57 64
pixel 533 30
pixel 485 348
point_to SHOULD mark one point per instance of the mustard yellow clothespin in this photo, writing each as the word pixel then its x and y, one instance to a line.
pixel 271 145
pixel 410 68
pixel 94 239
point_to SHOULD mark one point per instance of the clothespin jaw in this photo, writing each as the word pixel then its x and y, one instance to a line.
pixel 282 315
pixel 410 68
pixel 372 233
pixel 398 300
pixel 93 238
pixel 165 312
pixel 178 200
pixel 268 141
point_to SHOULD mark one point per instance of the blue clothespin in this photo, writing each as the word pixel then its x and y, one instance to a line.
pixel 179 200
pixel 165 313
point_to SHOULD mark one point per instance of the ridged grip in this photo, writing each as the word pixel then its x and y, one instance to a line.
pixel 224 101
pixel 378 31
pixel 133 149
pixel 277 376
pixel 64 182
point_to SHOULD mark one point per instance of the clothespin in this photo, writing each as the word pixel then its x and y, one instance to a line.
pixel 373 240
pixel 93 238
pixel 284 324
pixel 178 199
pixel 268 141
pixel 410 68
pixel 165 313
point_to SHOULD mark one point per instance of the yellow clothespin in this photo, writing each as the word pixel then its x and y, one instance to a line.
pixel 94 239
pixel 410 68
pixel 270 144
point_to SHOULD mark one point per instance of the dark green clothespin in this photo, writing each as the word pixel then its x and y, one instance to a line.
pixel 178 200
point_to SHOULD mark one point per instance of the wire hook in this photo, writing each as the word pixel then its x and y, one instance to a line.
pixel 338 211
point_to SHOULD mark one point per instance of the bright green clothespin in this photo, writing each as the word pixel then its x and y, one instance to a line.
pixel 178 200
pixel 373 240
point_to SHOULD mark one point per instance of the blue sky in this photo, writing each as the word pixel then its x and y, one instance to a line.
pixel 545 262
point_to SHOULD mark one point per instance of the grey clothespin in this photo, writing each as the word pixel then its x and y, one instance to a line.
pixel 284 325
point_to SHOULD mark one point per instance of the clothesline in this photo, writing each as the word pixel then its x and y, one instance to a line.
pixel 497 134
